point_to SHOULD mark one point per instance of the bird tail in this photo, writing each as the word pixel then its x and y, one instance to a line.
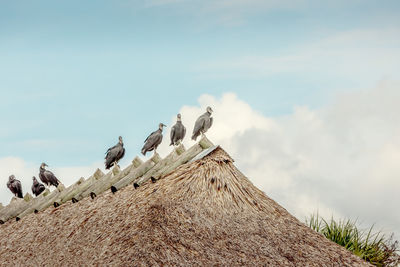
pixel 144 152
pixel 108 165
pixel 20 195
pixel 40 189
pixel 194 137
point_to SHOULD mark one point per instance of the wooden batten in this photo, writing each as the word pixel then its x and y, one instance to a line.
pixel 98 174
pixel 141 170
pixel 43 201
pixel 76 194
pixel 61 199
pixel 45 192
pixel 80 181
pixel 80 187
pixel 137 162
pixel 14 199
pixel 186 156
pixel 84 193
pixel 205 143
pixel 116 170
pixel 60 187
pixel 160 165
pixel 107 183
pixel 180 149
pixel 35 203
pixel 28 197
pixel 13 209
pixel 138 172
pixel 47 200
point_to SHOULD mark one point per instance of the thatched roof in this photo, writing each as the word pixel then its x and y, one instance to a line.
pixel 203 213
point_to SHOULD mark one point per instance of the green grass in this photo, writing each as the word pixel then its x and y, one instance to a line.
pixel 373 247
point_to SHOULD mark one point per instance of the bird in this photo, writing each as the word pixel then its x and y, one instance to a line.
pixel 203 123
pixel 114 154
pixel 37 188
pixel 15 186
pixel 178 132
pixel 153 140
pixel 47 177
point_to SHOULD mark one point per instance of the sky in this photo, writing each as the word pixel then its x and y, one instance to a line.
pixel 305 93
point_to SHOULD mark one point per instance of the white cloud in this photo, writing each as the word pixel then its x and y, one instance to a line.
pixel 340 160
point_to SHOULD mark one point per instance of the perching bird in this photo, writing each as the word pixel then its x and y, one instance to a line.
pixel 47 177
pixel 203 123
pixel 15 186
pixel 37 188
pixel 114 154
pixel 178 132
pixel 153 140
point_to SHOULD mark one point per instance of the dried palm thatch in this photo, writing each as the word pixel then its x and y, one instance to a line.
pixel 204 213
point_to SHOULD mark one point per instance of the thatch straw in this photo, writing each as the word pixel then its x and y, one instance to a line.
pixel 205 213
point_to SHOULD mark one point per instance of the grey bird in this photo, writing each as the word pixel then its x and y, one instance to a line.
pixel 153 140
pixel 15 186
pixel 47 177
pixel 37 188
pixel 178 132
pixel 114 154
pixel 203 123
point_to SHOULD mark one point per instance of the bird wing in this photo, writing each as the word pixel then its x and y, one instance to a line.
pixel 115 154
pixel 41 188
pixel 51 178
pixel 43 178
pixel 198 125
pixel 18 187
pixel 157 139
pixel 153 140
pixel 211 123
pixel 111 148
pixel 121 153
pixel 173 129
pixel 112 152
pixel 150 136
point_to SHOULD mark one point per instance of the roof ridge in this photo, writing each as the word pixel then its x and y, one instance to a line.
pixel 138 172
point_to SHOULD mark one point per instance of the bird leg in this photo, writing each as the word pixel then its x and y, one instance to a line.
pixel 116 163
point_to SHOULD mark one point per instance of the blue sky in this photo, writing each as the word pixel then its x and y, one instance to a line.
pixel 74 75
pixel 78 72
